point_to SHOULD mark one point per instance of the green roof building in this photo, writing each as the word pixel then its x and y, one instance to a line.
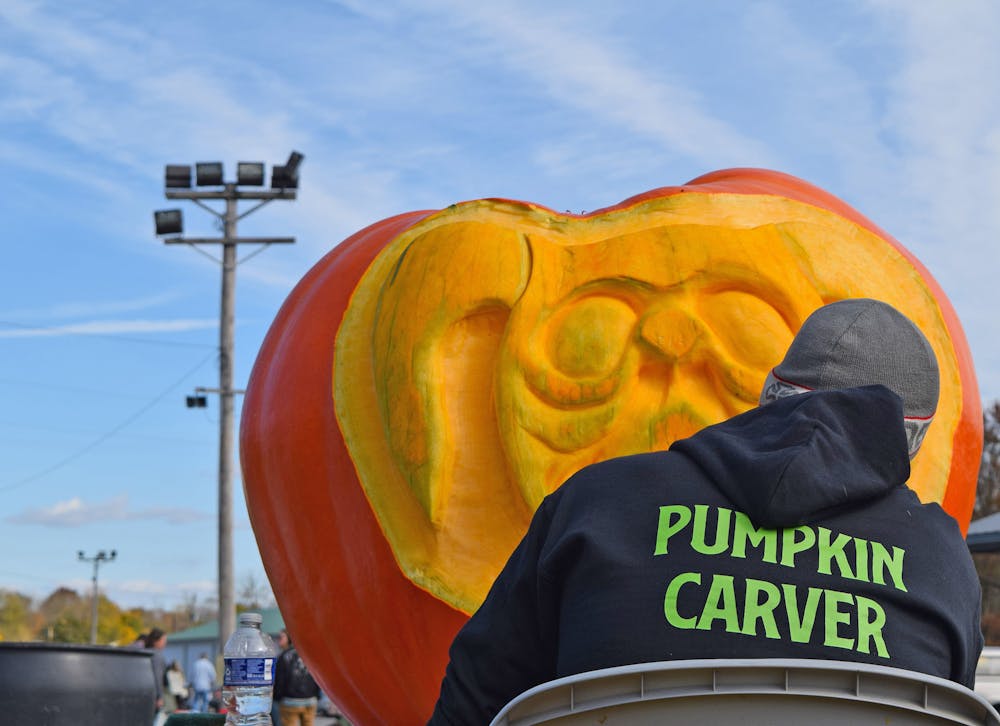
pixel 186 646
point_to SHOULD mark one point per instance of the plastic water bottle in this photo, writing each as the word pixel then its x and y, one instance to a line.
pixel 248 683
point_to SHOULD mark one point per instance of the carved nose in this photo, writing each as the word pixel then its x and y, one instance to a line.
pixel 670 331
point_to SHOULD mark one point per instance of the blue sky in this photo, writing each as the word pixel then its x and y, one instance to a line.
pixel 891 105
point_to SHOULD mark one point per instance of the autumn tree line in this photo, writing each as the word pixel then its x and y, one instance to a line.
pixel 988 502
pixel 65 615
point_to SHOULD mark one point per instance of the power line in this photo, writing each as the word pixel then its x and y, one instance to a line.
pixel 107 435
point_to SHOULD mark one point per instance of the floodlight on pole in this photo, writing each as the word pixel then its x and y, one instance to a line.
pixel 168 221
pixel 177 176
pixel 208 174
pixel 97 559
pixel 211 174
pixel 286 176
pixel 250 173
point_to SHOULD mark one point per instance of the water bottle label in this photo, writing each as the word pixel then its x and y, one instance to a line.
pixel 249 672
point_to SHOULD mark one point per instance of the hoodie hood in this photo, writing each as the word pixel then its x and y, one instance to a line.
pixel 804 457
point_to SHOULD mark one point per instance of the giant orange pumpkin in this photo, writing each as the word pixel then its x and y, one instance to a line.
pixel 433 377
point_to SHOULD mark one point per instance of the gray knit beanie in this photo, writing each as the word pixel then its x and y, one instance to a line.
pixel 861 342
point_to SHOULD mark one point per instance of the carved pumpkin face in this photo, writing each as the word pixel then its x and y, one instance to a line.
pixel 437 375
pixel 509 347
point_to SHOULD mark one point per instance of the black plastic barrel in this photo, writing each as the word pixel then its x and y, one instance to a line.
pixel 50 684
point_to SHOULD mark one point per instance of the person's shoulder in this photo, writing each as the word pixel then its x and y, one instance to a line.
pixel 928 513
pixel 620 467
pixel 928 525
pixel 616 476
pixel 608 485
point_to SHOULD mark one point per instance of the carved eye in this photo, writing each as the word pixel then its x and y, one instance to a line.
pixel 749 328
pixel 589 337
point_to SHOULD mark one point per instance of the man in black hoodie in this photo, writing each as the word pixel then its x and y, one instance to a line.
pixel 784 532
pixel 295 690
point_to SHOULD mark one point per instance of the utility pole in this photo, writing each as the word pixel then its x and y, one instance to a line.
pixel 284 183
pixel 97 559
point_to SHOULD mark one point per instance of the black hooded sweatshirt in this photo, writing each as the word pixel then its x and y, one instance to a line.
pixel 784 532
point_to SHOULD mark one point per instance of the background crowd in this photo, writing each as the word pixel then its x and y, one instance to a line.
pixel 296 693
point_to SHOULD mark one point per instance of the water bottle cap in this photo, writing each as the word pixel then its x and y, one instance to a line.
pixel 254 618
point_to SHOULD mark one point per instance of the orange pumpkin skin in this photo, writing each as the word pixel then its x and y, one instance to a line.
pixel 376 642
pixel 371 637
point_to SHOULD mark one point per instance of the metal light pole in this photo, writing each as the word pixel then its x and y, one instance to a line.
pixel 284 183
pixel 97 559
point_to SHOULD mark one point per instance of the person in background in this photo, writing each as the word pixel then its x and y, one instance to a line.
pixel 787 531
pixel 176 691
pixel 281 640
pixel 156 641
pixel 295 691
pixel 202 682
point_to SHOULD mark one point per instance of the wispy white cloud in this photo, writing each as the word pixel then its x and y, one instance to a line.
pixel 159 588
pixel 121 92
pixel 78 309
pixel 39 160
pixel 141 592
pixel 943 106
pixel 814 96
pixel 121 102
pixel 585 71
pixel 111 327
pixel 76 512
pixel 381 12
